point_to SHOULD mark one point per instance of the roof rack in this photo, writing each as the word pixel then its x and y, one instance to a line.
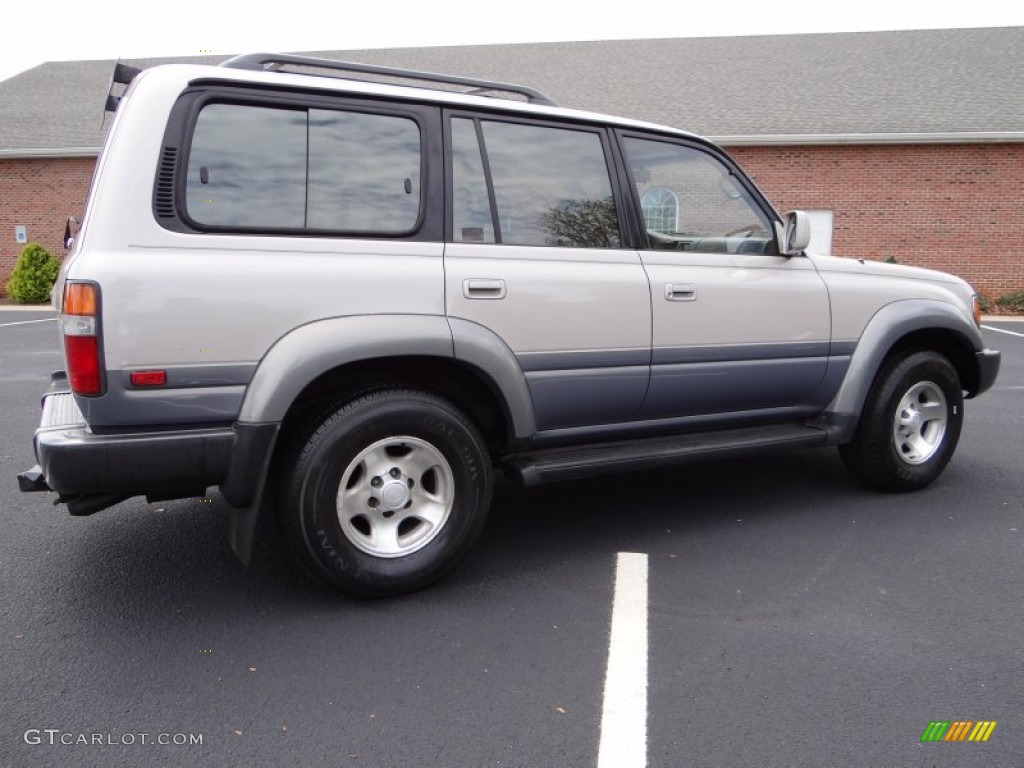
pixel 274 61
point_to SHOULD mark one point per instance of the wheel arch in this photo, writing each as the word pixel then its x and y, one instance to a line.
pixel 308 353
pixel 464 385
pixel 470 365
pixel 948 343
pixel 899 328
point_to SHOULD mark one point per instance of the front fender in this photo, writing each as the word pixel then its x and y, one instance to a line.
pixel 890 324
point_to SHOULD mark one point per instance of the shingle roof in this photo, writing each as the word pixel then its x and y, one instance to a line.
pixel 932 82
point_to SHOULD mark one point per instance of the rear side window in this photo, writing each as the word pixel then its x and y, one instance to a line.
pixel 247 168
pixel 268 168
pixel 542 185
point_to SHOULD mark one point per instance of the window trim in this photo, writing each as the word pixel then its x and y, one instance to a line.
pixel 181 127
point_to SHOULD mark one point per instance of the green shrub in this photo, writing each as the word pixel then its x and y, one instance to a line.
pixel 34 275
pixel 891 260
pixel 984 303
pixel 1012 301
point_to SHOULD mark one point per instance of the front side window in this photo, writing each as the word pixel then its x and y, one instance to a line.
pixel 264 168
pixel 691 201
pixel 550 186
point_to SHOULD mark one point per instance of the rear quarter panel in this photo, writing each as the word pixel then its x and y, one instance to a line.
pixel 214 300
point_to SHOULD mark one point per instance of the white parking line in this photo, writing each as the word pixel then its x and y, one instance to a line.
pixel 624 716
pixel 1001 330
pixel 26 322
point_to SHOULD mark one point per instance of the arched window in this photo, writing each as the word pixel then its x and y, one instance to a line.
pixel 661 210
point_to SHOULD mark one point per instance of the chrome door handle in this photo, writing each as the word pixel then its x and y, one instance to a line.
pixel 479 288
pixel 680 292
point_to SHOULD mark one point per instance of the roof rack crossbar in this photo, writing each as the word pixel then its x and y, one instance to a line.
pixel 265 61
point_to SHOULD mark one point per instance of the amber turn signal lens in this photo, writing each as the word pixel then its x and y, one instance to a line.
pixel 79 323
pixel 79 299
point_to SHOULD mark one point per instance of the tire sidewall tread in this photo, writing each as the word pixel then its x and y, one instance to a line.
pixel 871 455
pixel 310 485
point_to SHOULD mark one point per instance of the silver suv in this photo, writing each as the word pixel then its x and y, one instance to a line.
pixel 353 300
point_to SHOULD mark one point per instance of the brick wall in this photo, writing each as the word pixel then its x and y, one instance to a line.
pixel 954 207
pixel 958 208
pixel 40 194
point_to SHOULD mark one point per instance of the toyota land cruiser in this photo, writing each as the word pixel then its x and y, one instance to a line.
pixel 351 294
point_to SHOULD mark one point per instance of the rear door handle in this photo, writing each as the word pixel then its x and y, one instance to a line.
pixel 480 288
pixel 680 292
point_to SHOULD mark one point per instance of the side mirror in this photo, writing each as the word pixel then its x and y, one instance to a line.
pixel 796 235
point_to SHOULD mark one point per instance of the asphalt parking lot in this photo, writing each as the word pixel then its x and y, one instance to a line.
pixel 794 618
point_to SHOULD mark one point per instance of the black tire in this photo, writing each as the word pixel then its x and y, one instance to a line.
pixel 910 424
pixel 417 490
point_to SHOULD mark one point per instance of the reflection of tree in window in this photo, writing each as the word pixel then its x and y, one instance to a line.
pixel 551 186
pixel 661 210
pixel 583 224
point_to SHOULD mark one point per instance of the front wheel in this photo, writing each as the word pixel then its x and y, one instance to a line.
pixel 387 494
pixel 910 424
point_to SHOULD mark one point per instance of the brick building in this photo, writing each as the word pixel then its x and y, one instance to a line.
pixel 903 145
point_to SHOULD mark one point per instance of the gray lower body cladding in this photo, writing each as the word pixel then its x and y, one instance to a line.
pixel 75 461
pixel 988 369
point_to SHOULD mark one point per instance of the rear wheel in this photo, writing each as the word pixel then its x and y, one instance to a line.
pixel 387 494
pixel 910 425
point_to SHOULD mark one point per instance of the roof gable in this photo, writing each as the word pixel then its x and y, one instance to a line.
pixel 928 82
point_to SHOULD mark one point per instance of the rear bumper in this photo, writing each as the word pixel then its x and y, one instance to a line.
pixel 76 462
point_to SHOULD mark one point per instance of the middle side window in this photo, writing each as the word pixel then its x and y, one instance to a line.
pixel 546 186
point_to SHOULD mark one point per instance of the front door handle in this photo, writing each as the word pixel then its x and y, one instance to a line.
pixel 480 288
pixel 680 292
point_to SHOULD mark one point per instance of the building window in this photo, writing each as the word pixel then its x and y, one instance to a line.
pixel 661 210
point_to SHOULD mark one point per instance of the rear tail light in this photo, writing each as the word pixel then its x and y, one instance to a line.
pixel 79 323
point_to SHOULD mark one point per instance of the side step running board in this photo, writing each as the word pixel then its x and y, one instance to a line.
pixel 547 465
